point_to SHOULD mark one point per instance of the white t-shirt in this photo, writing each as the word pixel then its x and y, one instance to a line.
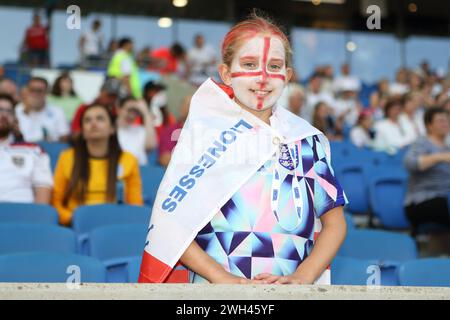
pixel 410 126
pixel 360 137
pixel 92 43
pixel 389 136
pixel 201 61
pixel 132 139
pixel 48 124
pixel 22 168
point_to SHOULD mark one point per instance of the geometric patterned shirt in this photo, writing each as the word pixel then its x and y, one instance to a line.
pixel 248 237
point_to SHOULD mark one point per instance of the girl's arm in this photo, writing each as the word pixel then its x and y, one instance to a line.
pixel 197 260
pixel 328 242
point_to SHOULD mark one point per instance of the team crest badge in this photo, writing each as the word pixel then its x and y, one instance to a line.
pixel 285 158
pixel 18 161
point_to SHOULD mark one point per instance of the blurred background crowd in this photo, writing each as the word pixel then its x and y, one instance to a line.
pixel 101 128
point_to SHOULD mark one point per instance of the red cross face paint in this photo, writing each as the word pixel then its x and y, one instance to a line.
pixel 258 72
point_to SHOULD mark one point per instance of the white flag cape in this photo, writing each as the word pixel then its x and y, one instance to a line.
pixel 220 147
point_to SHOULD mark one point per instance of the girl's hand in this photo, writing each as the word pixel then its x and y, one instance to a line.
pixel 293 279
pixel 228 278
pixel 267 278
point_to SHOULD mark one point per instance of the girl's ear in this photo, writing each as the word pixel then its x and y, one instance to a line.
pixel 225 74
pixel 289 73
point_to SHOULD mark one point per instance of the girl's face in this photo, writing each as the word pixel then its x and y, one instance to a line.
pixel 258 72
pixel 96 124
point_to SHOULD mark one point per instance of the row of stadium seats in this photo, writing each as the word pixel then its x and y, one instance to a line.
pixel 114 235
pixel 374 183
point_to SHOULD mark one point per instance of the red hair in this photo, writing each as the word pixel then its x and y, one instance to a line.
pixel 249 28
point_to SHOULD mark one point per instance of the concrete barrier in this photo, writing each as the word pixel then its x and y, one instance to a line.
pixel 97 291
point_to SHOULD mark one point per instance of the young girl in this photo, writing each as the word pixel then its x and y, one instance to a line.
pixel 272 216
pixel 89 172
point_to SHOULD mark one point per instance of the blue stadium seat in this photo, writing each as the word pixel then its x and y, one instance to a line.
pixel 28 213
pixel 133 268
pixel 350 271
pixel 115 245
pixel 53 149
pixel 152 158
pixel 387 191
pixel 50 267
pixel 341 148
pixel 430 272
pixel 383 248
pixel 151 178
pixel 350 175
pixel 397 158
pixel 87 218
pixel 36 237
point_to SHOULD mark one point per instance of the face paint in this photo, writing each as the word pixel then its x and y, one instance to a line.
pixel 258 72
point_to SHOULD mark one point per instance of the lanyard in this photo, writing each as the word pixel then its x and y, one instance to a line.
pixel 287 157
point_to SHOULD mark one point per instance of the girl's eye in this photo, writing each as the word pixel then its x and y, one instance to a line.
pixel 249 65
pixel 275 67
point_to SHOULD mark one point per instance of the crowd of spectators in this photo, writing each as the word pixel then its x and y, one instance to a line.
pixel 111 137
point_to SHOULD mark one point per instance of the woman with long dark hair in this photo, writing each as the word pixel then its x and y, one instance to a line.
pixel 63 96
pixel 90 172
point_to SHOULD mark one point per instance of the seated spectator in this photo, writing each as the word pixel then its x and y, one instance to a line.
pixel 428 163
pixel 89 173
pixel 362 135
pixel 347 104
pixel 324 120
pixel 376 105
pixel 341 82
pixel 296 98
pixel 39 121
pixel 64 96
pixel 108 96
pixel 9 87
pixel 400 86
pixel 167 60
pixel 314 95
pixel 135 129
pixel 25 174
pixel 389 135
pixel 170 134
pixel 410 119
pixel 156 98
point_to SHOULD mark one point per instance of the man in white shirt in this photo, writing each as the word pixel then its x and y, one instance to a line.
pixel 202 61
pixel 91 45
pixel 25 174
pixel 39 121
